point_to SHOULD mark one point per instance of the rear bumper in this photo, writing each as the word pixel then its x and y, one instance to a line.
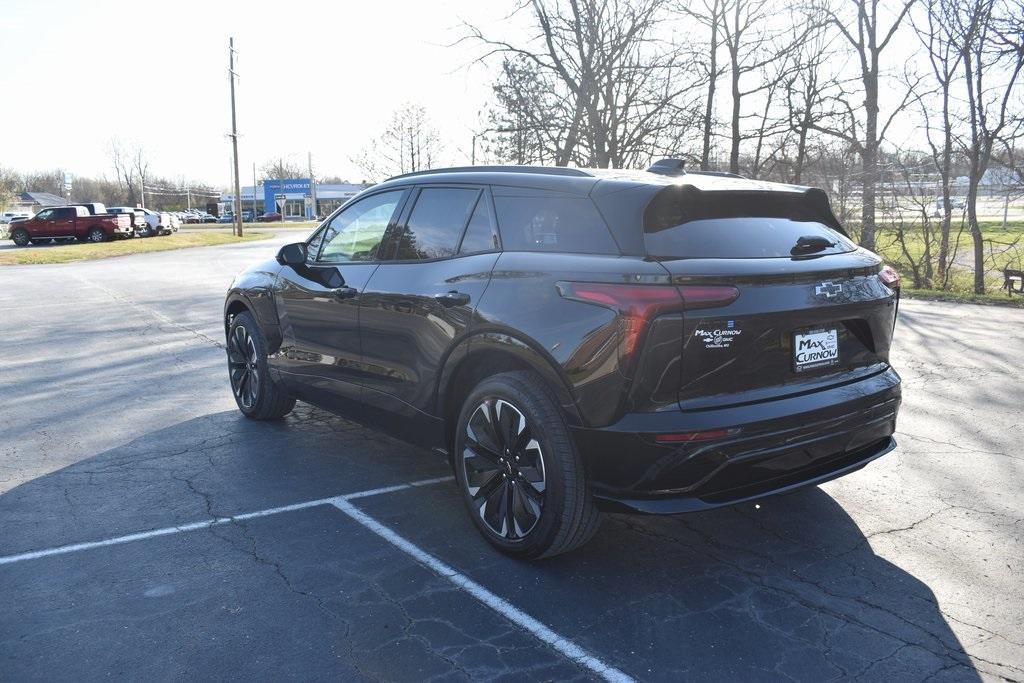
pixel 775 446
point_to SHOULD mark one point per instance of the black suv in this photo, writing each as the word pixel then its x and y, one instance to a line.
pixel 580 340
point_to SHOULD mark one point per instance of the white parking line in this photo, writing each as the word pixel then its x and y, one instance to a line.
pixel 206 524
pixel 504 608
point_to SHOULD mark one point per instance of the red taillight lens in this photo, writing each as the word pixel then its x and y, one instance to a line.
pixel 710 296
pixel 636 304
pixel 889 277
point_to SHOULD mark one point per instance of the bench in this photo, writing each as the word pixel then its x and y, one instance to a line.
pixel 1009 276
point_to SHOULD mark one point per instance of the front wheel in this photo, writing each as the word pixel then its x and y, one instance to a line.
pixel 20 237
pixel 521 478
pixel 256 394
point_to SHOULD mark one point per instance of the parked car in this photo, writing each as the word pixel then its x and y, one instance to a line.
pixel 70 222
pixel 226 218
pixel 271 217
pixel 208 218
pixel 8 216
pixel 138 218
pixel 160 223
pixel 581 340
pixel 247 216
pixel 956 204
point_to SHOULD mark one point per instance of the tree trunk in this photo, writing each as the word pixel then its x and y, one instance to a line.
pixel 734 150
pixel 705 155
pixel 972 221
pixel 870 161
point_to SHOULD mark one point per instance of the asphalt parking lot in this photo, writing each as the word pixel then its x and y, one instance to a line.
pixel 149 531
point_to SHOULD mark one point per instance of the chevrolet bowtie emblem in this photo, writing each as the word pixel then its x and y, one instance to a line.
pixel 828 289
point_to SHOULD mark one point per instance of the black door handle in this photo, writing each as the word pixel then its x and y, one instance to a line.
pixel 344 292
pixel 452 298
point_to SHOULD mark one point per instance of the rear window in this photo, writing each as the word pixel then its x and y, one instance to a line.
pixel 735 225
pixel 537 221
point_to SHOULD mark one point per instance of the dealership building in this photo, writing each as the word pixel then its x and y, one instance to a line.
pixel 294 198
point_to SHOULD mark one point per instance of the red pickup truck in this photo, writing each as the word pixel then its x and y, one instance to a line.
pixel 70 221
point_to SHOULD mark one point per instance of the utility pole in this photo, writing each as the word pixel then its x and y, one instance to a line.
pixel 188 197
pixel 254 192
pixel 234 137
pixel 312 186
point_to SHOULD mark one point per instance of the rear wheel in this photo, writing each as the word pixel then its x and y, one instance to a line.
pixel 521 478
pixel 256 394
pixel 20 237
pixel 96 235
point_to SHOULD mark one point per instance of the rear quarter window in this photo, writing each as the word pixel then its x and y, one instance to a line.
pixel 681 224
pixel 532 220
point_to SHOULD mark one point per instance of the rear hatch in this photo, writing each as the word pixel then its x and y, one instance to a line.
pixel 781 300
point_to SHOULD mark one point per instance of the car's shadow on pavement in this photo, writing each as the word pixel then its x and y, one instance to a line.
pixel 791 589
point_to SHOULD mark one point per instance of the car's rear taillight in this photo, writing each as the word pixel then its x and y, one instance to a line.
pixel 635 304
pixel 639 304
pixel 708 296
pixel 889 277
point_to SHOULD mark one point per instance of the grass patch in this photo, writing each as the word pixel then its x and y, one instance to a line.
pixel 997 298
pixel 67 252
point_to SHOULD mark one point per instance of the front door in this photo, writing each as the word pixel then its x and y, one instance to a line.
pixel 320 357
pixel 417 306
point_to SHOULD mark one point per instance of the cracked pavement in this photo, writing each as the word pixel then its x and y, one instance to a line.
pixel 117 418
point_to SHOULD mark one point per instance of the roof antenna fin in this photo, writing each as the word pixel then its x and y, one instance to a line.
pixel 669 167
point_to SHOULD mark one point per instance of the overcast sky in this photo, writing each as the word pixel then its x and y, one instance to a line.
pixel 320 77
pixel 315 76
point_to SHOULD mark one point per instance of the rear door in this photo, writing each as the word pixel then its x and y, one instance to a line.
pixel 807 307
pixel 418 304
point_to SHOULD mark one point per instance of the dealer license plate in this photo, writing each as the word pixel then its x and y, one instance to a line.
pixel 815 349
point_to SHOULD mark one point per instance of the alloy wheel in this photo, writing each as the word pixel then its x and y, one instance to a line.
pixel 243 366
pixel 504 468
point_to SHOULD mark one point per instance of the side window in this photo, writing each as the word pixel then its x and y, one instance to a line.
pixel 45 215
pixel 480 234
pixel 356 233
pixel 538 221
pixel 64 214
pixel 436 223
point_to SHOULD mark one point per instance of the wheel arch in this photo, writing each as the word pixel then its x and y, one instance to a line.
pixel 236 303
pixel 490 353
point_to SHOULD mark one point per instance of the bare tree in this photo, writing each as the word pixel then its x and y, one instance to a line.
pixel 409 143
pixel 868 39
pixel 945 60
pixel 140 164
pixel 281 169
pixel 621 95
pixel 756 49
pixel 989 35
pixel 124 170
pixel 709 13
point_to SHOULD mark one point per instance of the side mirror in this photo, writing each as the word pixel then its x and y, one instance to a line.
pixel 292 254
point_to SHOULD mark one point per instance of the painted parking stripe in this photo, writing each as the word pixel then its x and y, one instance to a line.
pixel 206 524
pixel 506 609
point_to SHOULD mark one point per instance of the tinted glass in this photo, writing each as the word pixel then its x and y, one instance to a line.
pixel 45 215
pixel 63 214
pixel 735 226
pixel 480 234
pixel 552 223
pixel 436 222
pixel 355 234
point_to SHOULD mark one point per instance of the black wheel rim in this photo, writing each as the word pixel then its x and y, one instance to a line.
pixel 503 463
pixel 243 365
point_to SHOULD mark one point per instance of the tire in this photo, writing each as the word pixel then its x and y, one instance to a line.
pixel 20 237
pixel 256 394
pixel 540 476
pixel 96 235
